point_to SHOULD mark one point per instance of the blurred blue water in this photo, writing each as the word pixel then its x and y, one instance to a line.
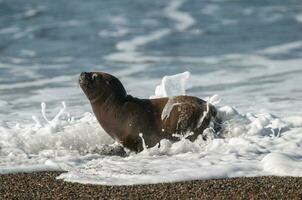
pixel 44 45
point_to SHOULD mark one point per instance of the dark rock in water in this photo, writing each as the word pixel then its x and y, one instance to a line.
pixel 109 150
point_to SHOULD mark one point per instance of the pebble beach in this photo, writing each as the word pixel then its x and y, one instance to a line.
pixel 44 185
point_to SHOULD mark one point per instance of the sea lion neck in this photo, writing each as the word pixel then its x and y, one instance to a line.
pixel 107 111
pixel 114 95
pixel 105 100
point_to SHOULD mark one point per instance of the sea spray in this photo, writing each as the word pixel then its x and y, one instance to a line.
pixel 247 147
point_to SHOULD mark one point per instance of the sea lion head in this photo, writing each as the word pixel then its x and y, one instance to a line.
pixel 99 86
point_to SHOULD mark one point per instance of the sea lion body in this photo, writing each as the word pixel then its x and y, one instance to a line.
pixel 125 117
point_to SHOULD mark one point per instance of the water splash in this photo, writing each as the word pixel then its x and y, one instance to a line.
pixel 250 144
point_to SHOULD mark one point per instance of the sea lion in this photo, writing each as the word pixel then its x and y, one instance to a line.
pixel 135 122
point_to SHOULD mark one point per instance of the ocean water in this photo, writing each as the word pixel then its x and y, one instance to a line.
pixel 246 53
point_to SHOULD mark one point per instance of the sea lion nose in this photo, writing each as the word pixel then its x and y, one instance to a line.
pixel 84 78
pixel 83 74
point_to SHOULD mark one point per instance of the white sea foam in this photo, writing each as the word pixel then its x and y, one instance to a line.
pixel 299 18
pixel 119 24
pixel 210 9
pixel 28 53
pixel 283 48
pixel 117 33
pixel 3 103
pixel 130 57
pixel 136 42
pixel 247 154
pixel 49 144
pixel 31 13
pixel 117 20
pixel 250 144
pixel 249 147
pixel 9 30
pixel 282 164
pixel 184 20
pixel 128 50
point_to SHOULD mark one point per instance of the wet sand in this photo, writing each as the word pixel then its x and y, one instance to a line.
pixel 44 185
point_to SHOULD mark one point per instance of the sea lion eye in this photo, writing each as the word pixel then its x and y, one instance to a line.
pixel 94 76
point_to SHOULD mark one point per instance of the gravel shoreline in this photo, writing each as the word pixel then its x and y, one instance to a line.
pixel 44 185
